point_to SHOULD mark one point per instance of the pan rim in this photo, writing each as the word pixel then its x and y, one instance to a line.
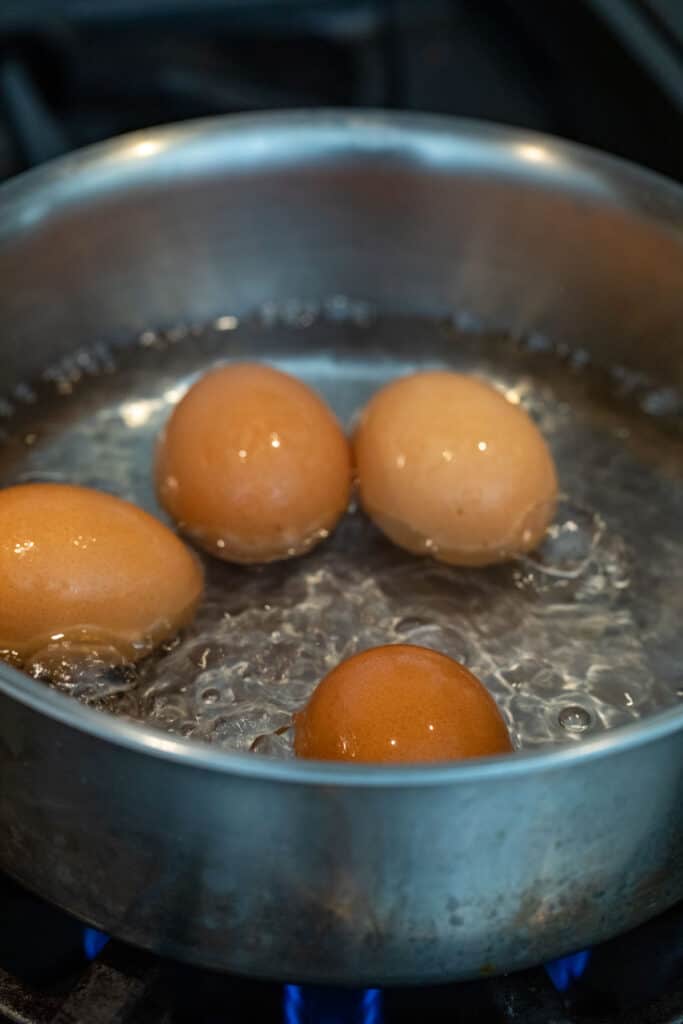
pixel 432 138
pixel 588 167
pixel 146 740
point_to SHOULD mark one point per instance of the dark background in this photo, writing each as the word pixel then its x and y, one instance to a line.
pixel 608 73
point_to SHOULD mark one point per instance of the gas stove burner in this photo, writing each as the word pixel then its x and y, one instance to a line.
pixel 568 969
pixel 317 1005
pixel 93 942
pixel 54 970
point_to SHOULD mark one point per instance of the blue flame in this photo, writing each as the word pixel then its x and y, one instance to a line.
pixel 567 969
pixel 310 1004
pixel 93 942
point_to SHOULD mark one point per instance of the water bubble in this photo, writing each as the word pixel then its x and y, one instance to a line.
pixel 336 307
pixel 575 719
pixel 268 314
pixel 662 402
pixel 275 744
pixel 226 323
pixel 296 313
pixel 361 314
pixel 536 341
pixel 149 339
pixel 467 320
pixel 211 695
pixel 176 334
pixel 26 394
pixel 570 542
pixel 409 624
pixel 579 359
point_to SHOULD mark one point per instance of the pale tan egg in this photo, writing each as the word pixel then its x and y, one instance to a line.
pixel 400 703
pixel 448 467
pixel 85 573
pixel 253 466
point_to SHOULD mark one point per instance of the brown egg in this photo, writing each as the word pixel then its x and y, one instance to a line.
pixel 82 571
pixel 400 703
pixel 253 466
pixel 448 467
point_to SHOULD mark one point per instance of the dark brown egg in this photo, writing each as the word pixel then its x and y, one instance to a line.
pixel 400 703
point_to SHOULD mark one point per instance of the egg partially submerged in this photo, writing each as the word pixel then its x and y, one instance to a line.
pixel 85 573
pixel 448 467
pixel 253 466
pixel 400 703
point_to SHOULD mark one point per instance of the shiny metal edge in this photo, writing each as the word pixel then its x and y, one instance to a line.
pixel 441 142
pixel 146 740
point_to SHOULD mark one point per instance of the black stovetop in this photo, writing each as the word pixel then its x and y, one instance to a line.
pixel 53 970
pixel 608 73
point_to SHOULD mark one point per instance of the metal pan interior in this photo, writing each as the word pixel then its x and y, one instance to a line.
pixel 578 638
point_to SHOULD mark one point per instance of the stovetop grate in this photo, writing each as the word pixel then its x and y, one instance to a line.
pixel 126 986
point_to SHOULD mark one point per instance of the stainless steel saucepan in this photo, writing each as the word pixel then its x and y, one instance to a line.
pixel 305 871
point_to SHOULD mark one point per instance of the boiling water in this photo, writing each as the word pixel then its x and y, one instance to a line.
pixel 583 636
